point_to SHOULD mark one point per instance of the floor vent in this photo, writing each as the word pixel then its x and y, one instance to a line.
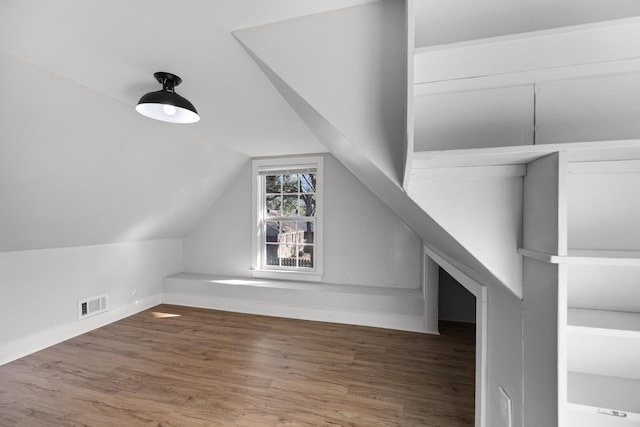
pixel 93 306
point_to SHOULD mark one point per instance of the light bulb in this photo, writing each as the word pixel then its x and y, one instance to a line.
pixel 169 110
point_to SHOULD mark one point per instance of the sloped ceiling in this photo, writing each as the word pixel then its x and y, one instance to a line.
pixel 78 166
pixel 115 47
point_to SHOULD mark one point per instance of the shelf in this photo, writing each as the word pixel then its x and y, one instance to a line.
pixel 604 322
pixel 604 343
pixel 606 399
pixel 587 257
pixel 591 416
pixel 600 257
pixel 604 287
pixel 603 348
pixel 523 154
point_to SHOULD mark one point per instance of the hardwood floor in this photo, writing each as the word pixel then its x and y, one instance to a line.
pixel 179 366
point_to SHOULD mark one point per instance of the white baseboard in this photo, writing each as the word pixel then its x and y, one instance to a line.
pixel 57 334
pixel 379 320
pixel 294 308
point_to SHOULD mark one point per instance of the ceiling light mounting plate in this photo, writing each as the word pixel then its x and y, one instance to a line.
pixel 162 76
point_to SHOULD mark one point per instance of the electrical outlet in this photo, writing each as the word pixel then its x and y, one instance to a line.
pixel 505 408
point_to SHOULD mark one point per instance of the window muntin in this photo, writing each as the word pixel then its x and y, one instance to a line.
pixel 288 220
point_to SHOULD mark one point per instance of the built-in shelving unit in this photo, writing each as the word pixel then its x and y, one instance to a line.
pixel 558 108
pixel 591 217
pixel 600 263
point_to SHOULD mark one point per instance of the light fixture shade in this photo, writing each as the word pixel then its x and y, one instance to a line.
pixel 166 104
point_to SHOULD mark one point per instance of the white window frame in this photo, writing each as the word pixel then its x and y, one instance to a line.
pixel 258 238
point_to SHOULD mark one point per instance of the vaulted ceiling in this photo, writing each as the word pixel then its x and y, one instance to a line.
pixel 113 48
pixel 78 166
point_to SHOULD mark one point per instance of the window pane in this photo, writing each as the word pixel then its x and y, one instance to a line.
pixel 273 205
pixel 307 205
pixel 272 255
pixel 272 231
pixel 308 183
pixel 287 228
pixel 290 243
pixel 290 183
pixel 305 232
pixel 286 254
pixel 305 256
pixel 273 183
pixel 290 206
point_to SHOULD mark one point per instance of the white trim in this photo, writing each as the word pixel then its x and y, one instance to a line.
pixel 631 417
pixel 562 329
pixel 279 163
pixel 567 52
pixel 240 305
pixel 480 293
pixel 430 294
pixel 530 77
pixel 605 167
pixel 523 154
pixel 470 172
pixel 410 23
pixel 40 340
pixel 535 34
pixel 562 202
pixel 288 275
pixel 586 256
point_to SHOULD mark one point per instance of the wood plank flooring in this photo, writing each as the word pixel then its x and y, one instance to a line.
pixel 179 366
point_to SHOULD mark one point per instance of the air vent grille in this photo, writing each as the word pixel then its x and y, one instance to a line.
pixel 92 306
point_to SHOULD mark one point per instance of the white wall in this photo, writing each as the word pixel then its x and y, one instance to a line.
pixel 588 109
pixel 504 354
pixel 491 117
pixel 365 243
pixel 40 289
pixel 483 213
pixel 604 208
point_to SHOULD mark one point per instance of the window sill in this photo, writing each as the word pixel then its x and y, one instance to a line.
pixel 288 275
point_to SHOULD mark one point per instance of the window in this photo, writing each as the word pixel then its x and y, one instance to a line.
pixel 288 220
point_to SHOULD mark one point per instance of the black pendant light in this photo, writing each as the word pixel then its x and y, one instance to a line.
pixel 166 104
